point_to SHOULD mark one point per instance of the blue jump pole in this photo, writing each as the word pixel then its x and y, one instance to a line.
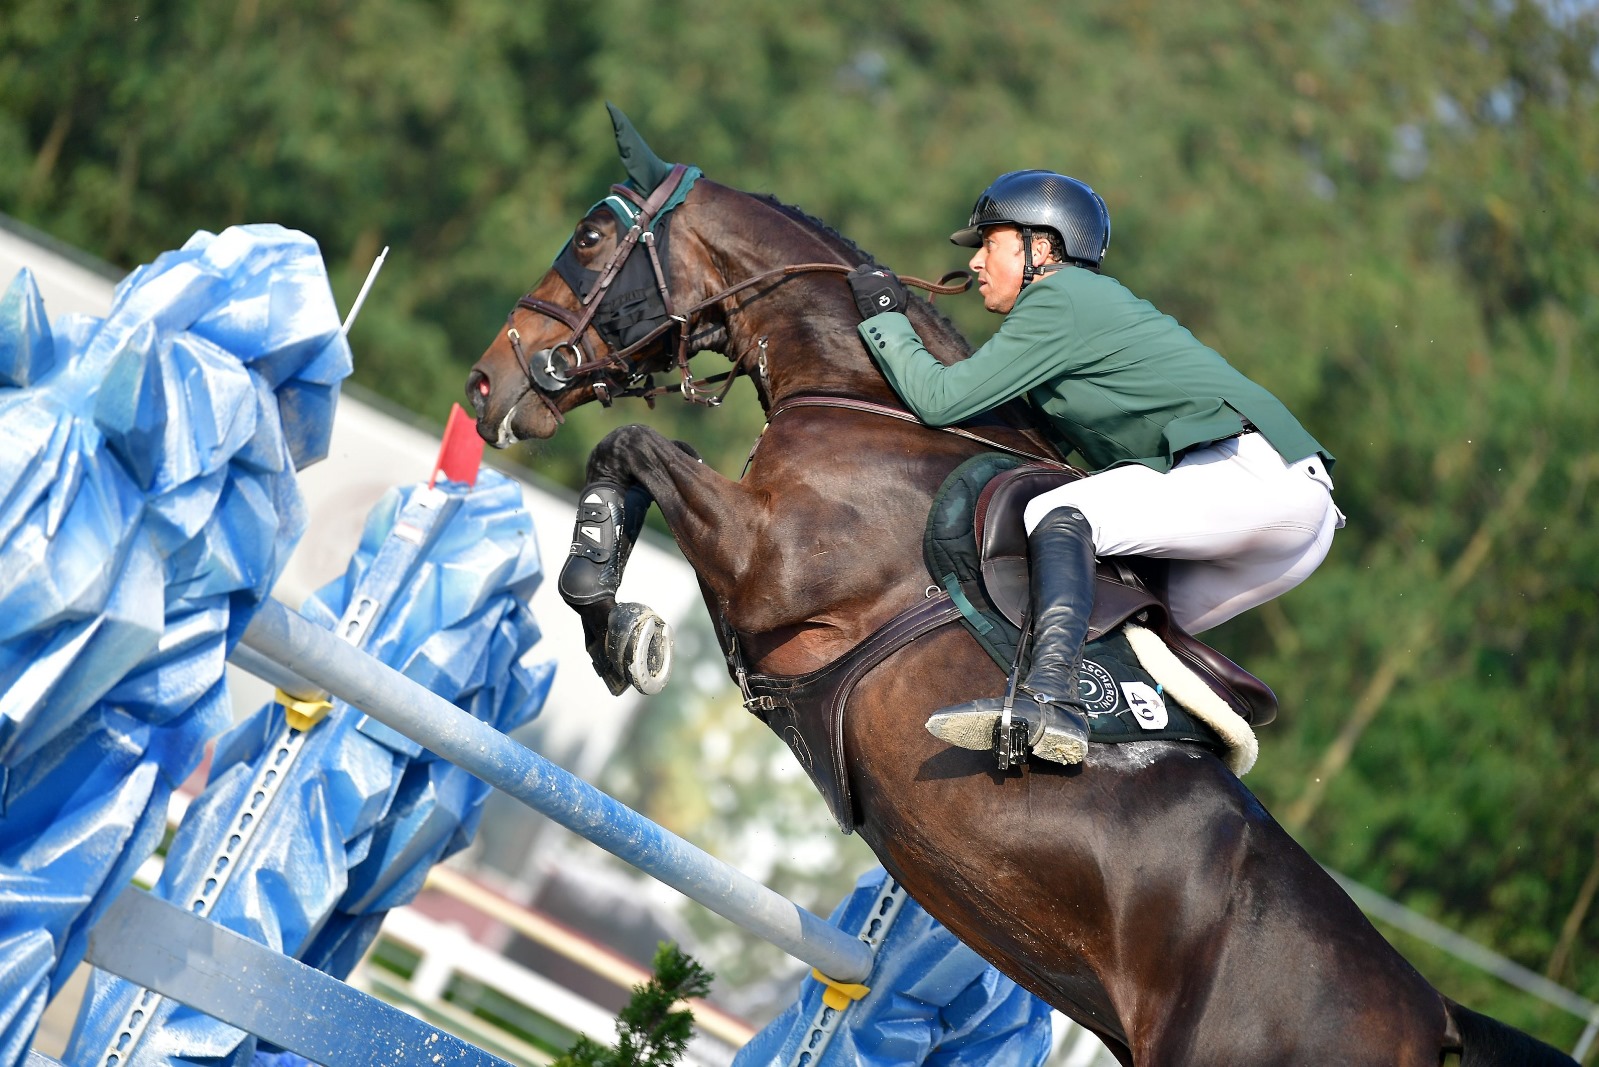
pixel 433 722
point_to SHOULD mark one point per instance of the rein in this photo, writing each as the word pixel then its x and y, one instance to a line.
pixel 871 407
pixel 615 375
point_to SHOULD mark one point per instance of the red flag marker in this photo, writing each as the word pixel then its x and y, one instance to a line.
pixel 461 453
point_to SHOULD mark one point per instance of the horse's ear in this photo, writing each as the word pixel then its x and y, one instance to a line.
pixel 644 167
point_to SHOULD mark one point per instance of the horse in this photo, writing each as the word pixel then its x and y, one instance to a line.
pixel 1145 893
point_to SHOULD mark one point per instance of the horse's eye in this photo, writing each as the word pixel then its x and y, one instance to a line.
pixel 587 237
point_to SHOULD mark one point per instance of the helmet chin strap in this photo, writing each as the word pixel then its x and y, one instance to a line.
pixel 1030 270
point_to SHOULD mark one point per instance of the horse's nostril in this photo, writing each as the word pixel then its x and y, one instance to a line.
pixel 477 390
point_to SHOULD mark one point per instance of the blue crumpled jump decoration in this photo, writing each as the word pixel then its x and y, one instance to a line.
pixel 932 1000
pixel 359 813
pixel 147 505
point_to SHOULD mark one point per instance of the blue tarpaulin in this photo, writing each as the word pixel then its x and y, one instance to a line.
pixel 304 839
pixel 147 504
pixel 931 1000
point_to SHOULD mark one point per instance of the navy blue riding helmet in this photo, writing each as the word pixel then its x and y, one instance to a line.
pixel 1043 199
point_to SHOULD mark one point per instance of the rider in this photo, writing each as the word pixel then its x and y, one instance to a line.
pixel 1194 462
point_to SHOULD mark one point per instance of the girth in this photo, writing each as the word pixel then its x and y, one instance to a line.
pixel 807 710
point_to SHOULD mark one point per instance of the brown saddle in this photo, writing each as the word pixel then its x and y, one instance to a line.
pixel 1125 588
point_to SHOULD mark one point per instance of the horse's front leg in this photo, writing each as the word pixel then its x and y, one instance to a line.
pixel 627 471
pixel 609 517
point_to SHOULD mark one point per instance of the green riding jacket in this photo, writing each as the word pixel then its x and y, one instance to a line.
pixel 1113 378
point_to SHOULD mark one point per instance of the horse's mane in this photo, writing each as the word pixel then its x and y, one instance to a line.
pixel 855 253
pixel 847 246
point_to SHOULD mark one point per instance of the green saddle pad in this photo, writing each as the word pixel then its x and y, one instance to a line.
pixel 1123 701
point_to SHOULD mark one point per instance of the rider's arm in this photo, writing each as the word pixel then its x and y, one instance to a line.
pixel 1030 348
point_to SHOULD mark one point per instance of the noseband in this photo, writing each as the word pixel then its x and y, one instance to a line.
pixel 550 370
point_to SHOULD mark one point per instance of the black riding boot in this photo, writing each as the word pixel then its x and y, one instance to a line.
pixel 1062 560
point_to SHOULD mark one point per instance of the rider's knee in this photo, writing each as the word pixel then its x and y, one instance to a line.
pixel 1040 506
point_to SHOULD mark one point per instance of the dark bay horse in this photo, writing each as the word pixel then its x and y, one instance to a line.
pixel 1146 893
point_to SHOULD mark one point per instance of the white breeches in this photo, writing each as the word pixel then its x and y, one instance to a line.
pixel 1239 525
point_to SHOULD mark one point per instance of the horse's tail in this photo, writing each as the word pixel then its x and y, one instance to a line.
pixel 1486 1042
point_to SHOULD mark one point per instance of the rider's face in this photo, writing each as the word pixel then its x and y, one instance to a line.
pixel 998 264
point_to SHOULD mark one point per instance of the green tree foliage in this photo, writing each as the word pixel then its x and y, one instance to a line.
pixel 650 1031
pixel 1385 211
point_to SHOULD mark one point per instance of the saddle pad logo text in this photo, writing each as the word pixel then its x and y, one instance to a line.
pixel 1096 688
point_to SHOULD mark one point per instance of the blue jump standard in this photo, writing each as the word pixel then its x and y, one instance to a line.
pixel 396 701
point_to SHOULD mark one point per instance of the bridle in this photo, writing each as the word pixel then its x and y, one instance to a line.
pixel 613 374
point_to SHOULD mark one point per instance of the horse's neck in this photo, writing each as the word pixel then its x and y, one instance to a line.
pixel 807 333
pixel 812 355
pixel 939 336
pixel 805 325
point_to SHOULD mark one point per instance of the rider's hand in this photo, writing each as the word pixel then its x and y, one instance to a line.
pixel 876 290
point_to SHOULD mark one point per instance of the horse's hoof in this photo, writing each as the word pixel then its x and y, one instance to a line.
pixel 638 643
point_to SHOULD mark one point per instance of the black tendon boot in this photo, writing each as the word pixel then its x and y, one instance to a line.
pixel 1062 560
